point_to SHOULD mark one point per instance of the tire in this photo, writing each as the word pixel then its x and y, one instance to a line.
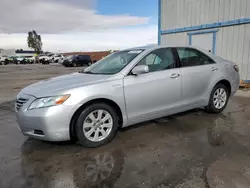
pixel 96 137
pixel 212 107
pixel 89 63
pixel 73 64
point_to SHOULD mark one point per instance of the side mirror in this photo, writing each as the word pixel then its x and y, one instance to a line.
pixel 140 69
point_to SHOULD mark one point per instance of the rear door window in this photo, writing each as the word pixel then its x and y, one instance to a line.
pixel 80 58
pixel 190 57
pixel 84 57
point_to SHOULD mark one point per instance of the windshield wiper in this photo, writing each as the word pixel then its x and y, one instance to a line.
pixel 87 72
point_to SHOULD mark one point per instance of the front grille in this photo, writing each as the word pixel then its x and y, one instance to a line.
pixel 20 102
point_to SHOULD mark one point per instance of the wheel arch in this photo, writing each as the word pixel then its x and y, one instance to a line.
pixel 225 83
pixel 90 102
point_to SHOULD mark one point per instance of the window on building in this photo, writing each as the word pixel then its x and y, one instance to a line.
pixel 190 57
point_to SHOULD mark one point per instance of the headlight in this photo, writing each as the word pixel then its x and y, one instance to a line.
pixel 48 101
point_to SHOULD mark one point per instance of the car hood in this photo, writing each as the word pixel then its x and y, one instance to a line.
pixel 60 84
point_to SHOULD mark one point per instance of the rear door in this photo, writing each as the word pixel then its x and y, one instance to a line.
pixel 198 72
pixel 81 59
pixel 85 59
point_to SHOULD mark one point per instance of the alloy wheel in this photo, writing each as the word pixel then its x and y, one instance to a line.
pixel 220 98
pixel 97 125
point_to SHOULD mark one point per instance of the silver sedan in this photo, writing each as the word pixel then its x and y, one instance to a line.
pixel 122 89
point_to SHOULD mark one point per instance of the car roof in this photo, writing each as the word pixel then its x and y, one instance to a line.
pixel 154 47
pixel 161 46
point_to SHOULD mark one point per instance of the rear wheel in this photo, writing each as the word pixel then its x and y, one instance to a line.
pixel 74 64
pixel 89 63
pixel 218 99
pixel 97 125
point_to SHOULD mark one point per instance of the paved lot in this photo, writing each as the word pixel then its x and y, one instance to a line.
pixel 14 77
pixel 188 150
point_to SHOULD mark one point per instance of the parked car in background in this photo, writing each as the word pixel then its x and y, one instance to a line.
pixel 125 88
pixel 58 58
pixel 3 60
pixel 50 58
pixel 21 60
pixel 30 59
pixel 45 58
pixel 17 60
pixel 42 57
pixel 77 60
pixel 11 60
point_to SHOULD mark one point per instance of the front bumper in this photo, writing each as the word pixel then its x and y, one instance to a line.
pixel 50 124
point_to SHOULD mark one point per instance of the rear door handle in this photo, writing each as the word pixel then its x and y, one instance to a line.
pixel 214 69
pixel 174 75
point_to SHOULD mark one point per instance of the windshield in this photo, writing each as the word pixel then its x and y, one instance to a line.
pixel 113 63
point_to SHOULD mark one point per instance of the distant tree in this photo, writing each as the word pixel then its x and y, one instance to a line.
pixel 34 41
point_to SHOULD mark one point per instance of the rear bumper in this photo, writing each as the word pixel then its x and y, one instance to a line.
pixel 235 84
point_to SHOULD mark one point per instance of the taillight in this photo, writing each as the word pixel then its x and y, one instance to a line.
pixel 236 68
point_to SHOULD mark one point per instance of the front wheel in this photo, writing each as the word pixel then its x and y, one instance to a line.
pixel 218 99
pixel 97 125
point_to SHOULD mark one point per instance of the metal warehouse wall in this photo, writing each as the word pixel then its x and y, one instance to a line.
pixel 226 24
pixel 233 43
pixel 182 13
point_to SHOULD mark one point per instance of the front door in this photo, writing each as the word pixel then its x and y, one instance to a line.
pixel 152 94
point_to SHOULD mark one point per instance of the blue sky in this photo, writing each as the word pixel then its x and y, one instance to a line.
pixel 79 25
pixel 145 8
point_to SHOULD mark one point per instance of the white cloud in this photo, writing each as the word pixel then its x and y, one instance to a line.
pixel 58 16
pixel 87 41
pixel 70 25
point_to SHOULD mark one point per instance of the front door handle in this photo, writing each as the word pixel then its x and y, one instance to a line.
pixel 174 75
pixel 214 69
